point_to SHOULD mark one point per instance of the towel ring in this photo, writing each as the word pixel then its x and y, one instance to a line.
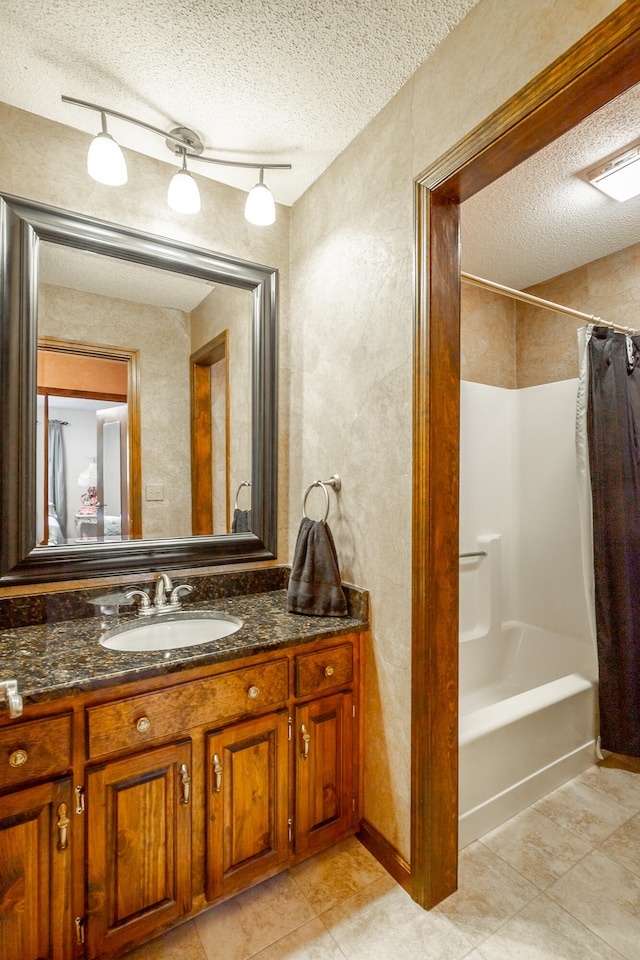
pixel 245 483
pixel 334 482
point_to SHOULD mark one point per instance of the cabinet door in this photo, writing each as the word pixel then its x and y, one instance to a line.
pixel 35 873
pixel 247 810
pixel 324 772
pixel 139 847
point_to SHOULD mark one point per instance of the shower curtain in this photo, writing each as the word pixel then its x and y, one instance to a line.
pixel 57 487
pixel 610 385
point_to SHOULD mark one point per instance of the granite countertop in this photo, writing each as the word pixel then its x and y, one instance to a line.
pixel 57 659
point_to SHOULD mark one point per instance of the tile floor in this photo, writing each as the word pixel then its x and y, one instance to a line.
pixel 560 880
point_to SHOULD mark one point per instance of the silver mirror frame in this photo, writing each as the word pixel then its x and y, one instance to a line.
pixel 23 224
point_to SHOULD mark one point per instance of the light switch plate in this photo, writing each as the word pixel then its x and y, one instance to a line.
pixel 154 491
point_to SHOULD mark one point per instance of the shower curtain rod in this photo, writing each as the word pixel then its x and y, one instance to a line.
pixel 539 302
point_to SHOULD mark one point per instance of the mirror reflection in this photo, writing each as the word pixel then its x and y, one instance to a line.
pixel 144 385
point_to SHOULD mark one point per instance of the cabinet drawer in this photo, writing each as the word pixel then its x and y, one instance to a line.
pixel 36 748
pixel 128 723
pixel 324 670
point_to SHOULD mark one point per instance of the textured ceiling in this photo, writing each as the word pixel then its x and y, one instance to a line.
pixel 274 80
pixel 295 81
pixel 543 218
pixel 121 279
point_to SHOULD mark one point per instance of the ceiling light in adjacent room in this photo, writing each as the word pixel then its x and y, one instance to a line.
pixel 619 177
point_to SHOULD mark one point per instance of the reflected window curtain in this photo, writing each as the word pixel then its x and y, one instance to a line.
pixel 613 429
pixel 57 485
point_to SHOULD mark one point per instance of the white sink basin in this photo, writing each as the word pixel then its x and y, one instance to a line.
pixel 171 631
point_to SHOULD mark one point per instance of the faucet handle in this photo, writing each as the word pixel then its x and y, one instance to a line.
pixel 9 689
pixel 175 594
pixel 145 609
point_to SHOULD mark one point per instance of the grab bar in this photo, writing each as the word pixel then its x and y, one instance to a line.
pixel 479 553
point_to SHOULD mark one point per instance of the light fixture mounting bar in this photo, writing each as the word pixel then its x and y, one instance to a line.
pixel 241 163
pixel 123 116
pixel 182 137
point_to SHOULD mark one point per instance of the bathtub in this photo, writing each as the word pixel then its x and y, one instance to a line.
pixel 527 715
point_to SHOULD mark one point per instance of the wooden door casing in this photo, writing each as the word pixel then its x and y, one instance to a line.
pixel 139 847
pixel 35 872
pixel 247 802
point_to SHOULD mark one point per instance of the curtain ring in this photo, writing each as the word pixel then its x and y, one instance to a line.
pixel 316 483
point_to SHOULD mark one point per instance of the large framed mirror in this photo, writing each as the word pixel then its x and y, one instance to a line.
pixel 150 367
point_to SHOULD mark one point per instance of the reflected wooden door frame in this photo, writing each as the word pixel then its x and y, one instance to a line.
pixel 134 455
pixel 202 453
pixel 605 63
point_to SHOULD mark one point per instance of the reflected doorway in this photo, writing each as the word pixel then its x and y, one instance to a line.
pixel 87 468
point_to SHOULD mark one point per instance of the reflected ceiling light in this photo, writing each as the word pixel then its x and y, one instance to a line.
pixel 619 177
pixel 260 207
pixel 105 160
pixel 183 195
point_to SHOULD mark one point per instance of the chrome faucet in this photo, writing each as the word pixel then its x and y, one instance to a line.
pixel 166 597
pixel 163 590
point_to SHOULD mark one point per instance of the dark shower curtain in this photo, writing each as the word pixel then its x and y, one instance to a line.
pixel 613 426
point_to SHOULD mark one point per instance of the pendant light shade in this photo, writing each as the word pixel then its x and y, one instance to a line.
pixel 260 208
pixel 183 195
pixel 105 160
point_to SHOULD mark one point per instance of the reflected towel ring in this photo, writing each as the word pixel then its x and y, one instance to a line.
pixel 334 482
pixel 245 483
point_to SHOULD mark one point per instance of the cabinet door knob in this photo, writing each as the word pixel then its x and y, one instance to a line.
pixel 18 758
pixel 143 724
pixel 329 671
pixel 253 693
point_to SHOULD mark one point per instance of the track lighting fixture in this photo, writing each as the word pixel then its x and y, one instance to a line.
pixel 106 164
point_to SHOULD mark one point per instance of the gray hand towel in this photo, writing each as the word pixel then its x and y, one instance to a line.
pixel 315 587
pixel 241 522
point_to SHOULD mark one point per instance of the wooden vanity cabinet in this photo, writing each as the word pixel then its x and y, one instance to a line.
pixel 138 847
pixel 124 810
pixel 35 872
pixel 324 779
pixel 247 802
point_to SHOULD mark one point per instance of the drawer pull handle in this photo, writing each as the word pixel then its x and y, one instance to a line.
pixel 306 737
pixel 63 827
pixel 143 724
pixel 18 758
pixel 186 784
pixel 253 693
pixel 329 671
pixel 217 772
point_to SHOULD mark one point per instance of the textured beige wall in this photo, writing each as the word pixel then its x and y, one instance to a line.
pixel 46 161
pixel 487 337
pixel 546 342
pixel 352 316
pixel 230 308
